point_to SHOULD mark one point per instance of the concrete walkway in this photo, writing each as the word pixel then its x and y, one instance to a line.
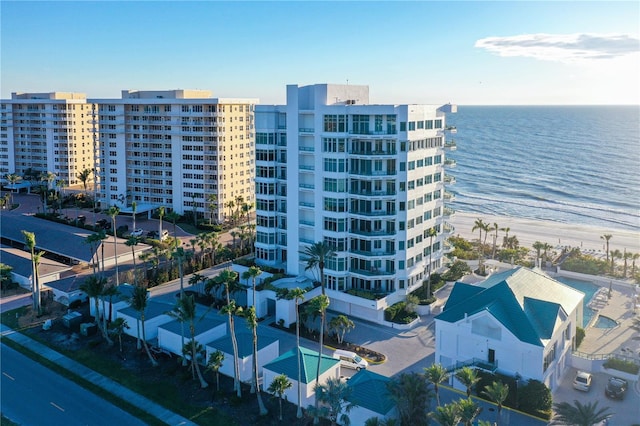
pixel 105 383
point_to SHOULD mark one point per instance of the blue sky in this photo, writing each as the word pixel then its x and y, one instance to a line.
pixel 476 52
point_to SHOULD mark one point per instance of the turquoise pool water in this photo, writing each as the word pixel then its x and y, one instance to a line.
pixel 605 322
pixel 589 289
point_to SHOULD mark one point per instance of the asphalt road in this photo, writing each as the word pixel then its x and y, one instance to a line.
pixel 34 395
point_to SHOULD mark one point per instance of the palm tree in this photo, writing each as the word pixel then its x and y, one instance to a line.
pixel 479 225
pixel 449 415
pixel 468 377
pixel 538 247
pixel 228 279
pixel 252 323
pixel 13 179
pixel 411 394
pixel 606 237
pixel 431 233
pixel 495 239
pixel 579 414
pixel 317 254
pixel 133 242
pixel 230 205
pixel 161 215
pixel 134 209
pixel 92 241
pixel 94 287
pixel 47 177
pixel 196 279
pixel 634 257
pixel 336 395
pixel 185 311
pixel 614 254
pixel 138 301
pixel 101 236
pixel 215 362
pixel 213 239
pixel 341 325
pixel 278 387
pixel 117 328
pixel 113 213
pixel 626 256
pixel 30 243
pixel 212 206
pixel 436 374
pixel 296 294
pixel 468 411
pixel 84 177
pixel 498 393
pixel 173 216
pixel 319 304
pixel 506 236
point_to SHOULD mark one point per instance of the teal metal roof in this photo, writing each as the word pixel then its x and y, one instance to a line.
pixel 526 302
pixel 369 390
pixel 287 364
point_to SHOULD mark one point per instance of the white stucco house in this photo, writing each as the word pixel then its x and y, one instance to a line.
pixel 519 322
pixel 268 350
pixel 287 364
pixel 155 315
pixel 112 304
pixel 206 329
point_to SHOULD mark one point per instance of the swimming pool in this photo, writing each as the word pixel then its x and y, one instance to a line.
pixel 605 322
pixel 589 289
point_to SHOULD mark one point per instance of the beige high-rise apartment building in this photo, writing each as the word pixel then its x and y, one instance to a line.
pixel 181 149
pixel 46 132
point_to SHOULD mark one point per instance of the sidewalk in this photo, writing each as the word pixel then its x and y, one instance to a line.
pixel 105 383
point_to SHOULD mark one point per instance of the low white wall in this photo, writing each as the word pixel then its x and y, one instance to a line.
pixel 596 279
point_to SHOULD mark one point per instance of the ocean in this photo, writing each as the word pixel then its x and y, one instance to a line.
pixel 569 164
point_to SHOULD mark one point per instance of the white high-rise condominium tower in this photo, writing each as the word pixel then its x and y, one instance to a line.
pixel 46 132
pixel 181 149
pixel 366 179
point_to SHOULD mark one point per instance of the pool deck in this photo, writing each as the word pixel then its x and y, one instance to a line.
pixel 624 339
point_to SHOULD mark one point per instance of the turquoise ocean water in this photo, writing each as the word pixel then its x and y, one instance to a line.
pixel 569 164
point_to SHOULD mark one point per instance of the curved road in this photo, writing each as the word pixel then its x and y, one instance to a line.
pixel 34 395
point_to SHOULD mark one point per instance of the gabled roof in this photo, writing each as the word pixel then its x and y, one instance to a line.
pixel 20 261
pixel 526 302
pixel 245 344
pixel 202 325
pixel 287 364
pixel 369 390
pixel 154 309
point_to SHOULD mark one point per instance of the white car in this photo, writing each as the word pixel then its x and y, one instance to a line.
pixel 582 382
pixel 137 232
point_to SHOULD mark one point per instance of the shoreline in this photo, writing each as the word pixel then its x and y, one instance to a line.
pixel 557 234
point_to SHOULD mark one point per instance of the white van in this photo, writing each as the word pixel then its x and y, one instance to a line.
pixel 350 359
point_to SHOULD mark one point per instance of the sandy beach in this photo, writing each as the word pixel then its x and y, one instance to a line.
pixel 556 234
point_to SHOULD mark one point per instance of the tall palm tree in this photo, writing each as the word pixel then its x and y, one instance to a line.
pixel 317 254
pixel 495 239
pixel 479 225
pixel 215 362
pixel 626 256
pixel 296 294
pixel 138 301
pixel 449 415
pixel 92 241
pixel 606 238
pixel 134 209
pixel 117 328
pixel 634 258
pixel 94 286
pixel 196 280
pixel 212 206
pixel 431 233
pixel 614 254
pixel 13 180
pixel 579 414
pixel 411 394
pixel 538 246
pixel 279 386
pixel 319 304
pixel 468 410
pixel 47 177
pixel 498 393
pixel 113 212
pixel 30 242
pixel 436 374
pixel 228 279
pixel 230 205
pixel 84 176
pixel 173 216
pixel 101 236
pixel 253 272
pixel 468 377
pixel 185 311
pixel 161 215
pixel 213 239
pixel 252 323
pixel 506 236
pixel 133 242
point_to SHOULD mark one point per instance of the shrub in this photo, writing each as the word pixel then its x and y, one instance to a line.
pixel 456 271
pixel 622 365
pixel 576 262
pixel 399 314
pixel 365 294
pixel 535 398
pixel 579 336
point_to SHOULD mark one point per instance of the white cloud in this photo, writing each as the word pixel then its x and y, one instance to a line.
pixel 563 47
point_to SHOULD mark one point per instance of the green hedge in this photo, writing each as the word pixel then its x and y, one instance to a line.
pixel 622 365
pixel 398 314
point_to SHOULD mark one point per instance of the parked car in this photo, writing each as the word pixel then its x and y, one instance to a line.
pixel 582 381
pixel 616 388
pixel 152 234
pixel 137 232
pixel 155 235
pixel 103 223
pixel 350 359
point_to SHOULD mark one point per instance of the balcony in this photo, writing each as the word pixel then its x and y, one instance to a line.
pixel 371 272
pixel 373 213
pixel 374 233
pixel 307 149
pixel 450 145
pixel 387 132
pixel 450 163
pixel 306 130
pixel 447 247
pixel 448 229
pixel 373 193
pixel 449 197
pixel 377 253
pixel 369 152
pixel 449 180
pixel 448 213
pixel 451 129
pixel 373 172
pixel 307 186
pixel 305 205
pixel 307 223
pixel 306 168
